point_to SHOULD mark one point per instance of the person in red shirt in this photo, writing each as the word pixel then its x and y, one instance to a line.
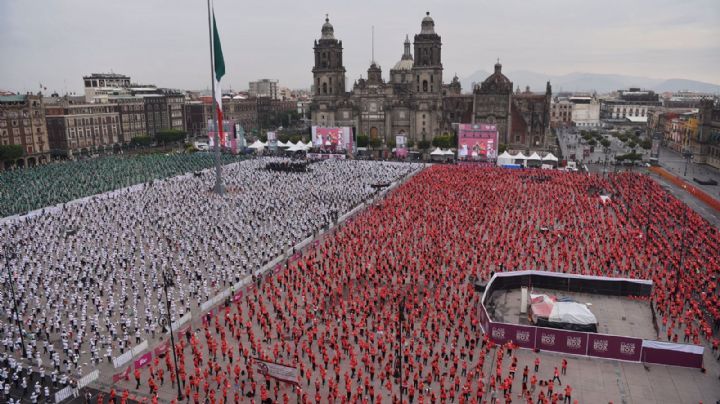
pixel 568 394
pixel 564 366
pixel 556 376
pixel 137 378
pixel 537 364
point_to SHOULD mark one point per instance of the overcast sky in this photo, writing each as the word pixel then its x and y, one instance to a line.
pixel 165 42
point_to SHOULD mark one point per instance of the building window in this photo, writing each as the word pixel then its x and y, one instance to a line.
pixel 425 86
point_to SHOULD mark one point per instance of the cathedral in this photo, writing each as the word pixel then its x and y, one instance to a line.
pixel 416 103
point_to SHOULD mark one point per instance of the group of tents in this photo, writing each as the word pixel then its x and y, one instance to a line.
pixel 521 160
pixel 289 146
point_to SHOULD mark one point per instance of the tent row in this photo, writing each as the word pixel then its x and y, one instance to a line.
pixel 507 159
pixel 299 146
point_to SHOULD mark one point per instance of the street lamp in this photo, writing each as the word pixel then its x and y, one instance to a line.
pixel 10 255
pixel 687 156
pixel 168 280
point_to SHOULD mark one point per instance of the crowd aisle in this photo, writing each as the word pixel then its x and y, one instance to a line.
pixel 335 312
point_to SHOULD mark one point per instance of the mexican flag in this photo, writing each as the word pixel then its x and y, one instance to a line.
pixel 219 63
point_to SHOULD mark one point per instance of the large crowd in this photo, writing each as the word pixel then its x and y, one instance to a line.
pixel 28 189
pixel 335 312
pixel 88 278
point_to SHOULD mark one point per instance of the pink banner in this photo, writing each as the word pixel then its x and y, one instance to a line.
pixel 162 348
pixel 122 375
pixel 143 360
pixel 614 347
pixel 238 296
pixel 477 141
pixel 523 336
pixel 572 342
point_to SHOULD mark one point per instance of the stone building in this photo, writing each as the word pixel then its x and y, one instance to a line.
pixel 415 101
pixel 22 122
pixel 82 128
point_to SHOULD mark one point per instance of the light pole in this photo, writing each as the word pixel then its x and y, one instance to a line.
pixel 687 156
pixel 168 280
pixel 398 368
pixel 9 255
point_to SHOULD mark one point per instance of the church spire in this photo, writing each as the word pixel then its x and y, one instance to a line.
pixel 406 53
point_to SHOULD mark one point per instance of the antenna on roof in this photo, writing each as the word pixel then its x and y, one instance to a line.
pixel 373 44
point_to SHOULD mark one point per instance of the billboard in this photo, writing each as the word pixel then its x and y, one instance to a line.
pixel 401 145
pixel 332 138
pixel 228 136
pixel 272 140
pixel 288 374
pixel 477 141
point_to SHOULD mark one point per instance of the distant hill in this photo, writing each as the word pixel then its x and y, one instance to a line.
pixel 588 82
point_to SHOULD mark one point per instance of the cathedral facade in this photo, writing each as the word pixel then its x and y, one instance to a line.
pixel 415 102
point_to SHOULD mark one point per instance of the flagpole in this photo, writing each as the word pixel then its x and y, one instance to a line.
pixel 218 169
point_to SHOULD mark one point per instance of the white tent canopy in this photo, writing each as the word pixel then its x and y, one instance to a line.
pixel 296 148
pixel 437 152
pixel 505 158
pixel 534 156
pixel 449 152
pixel 519 156
pixel 281 144
pixel 550 157
pixel 257 145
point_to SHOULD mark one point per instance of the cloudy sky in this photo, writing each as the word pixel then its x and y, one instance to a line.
pixel 165 42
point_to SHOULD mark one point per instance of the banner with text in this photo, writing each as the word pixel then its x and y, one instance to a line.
pixel 572 342
pixel 277 371
pixel 332 138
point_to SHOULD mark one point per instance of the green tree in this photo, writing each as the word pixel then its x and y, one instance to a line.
pixel 502 148
pixel 592 142
pixel 605 143
pixel 140 141
pixel 391 142
pixel 646 144
pixel 166 136
pixel 11 152
pixel 410 143
pixel 424 144
pixel 363 140
pixel 375 142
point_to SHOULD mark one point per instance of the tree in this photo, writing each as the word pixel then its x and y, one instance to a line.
pixel 375 142
pixel 502 148
pixel 646 144
pixel 391 143
pixel 11 152
pixel 363 140
pixel 410 143
pixel 605 143
pixel 166 136
pixel 424 144
pixel 592 142
pixel 140 141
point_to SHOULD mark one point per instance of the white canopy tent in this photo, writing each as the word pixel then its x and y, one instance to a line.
pixel 550 157
pixel 449 152
pixel 257 145
pixel 296 148
pixel 505 158
pixel 519 158
pixel 281 144
pixel 437 152
pixel 535 156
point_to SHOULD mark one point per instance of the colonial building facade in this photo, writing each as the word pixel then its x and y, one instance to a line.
pixel 415 101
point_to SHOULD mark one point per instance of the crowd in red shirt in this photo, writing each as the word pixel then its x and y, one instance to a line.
pixel 334 313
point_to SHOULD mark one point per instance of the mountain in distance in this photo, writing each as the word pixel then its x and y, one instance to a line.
pixel 588 82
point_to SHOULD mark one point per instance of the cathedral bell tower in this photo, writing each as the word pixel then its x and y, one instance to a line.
pixel 328 71
pixel 427 66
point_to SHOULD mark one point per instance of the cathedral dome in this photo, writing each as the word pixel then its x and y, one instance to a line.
pixel 428 25
pixel 406 62
pixel 497 77
pixel 327 30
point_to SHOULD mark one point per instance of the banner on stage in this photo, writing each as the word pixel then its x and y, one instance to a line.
pixel 477 141
pixel 277 371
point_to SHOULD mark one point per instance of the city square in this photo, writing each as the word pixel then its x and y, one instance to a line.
pixel 336 232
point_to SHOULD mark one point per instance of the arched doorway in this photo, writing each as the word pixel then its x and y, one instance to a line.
pixel 31 162
pixel 373 133
pixel 20 163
